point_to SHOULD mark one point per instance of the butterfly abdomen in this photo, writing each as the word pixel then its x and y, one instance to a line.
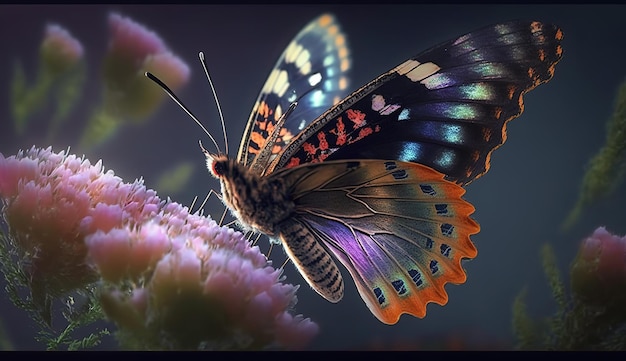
pixel 312 260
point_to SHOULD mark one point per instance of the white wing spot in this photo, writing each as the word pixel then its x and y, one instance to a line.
pixel 315 79
pixel 282 83
pixel 278 112
pixel 292 52
pixel 416 71
pixel 422 71
pixel 303 59
pixel 407 66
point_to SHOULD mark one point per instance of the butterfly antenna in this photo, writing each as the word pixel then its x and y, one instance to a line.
pixel 217 102
pixel 180 104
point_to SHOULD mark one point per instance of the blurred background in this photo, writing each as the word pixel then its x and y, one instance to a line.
pixel 521 203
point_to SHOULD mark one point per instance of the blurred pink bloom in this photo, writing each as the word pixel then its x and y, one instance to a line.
pixel 133 50
pixel 60 50
pixel 170 69
pixel 599 270
pixel 169 279
pixel 132 40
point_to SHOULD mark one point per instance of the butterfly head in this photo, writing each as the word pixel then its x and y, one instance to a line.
pixel 216 163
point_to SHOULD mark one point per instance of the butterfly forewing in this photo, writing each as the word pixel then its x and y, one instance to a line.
pixel 446 108
pixel 311 70
pixel 399 228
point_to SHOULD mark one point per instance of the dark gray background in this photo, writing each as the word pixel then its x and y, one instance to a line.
pixel 520 204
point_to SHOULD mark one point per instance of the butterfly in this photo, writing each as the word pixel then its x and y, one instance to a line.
pixel 374 178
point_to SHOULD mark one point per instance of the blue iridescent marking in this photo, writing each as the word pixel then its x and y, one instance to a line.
pixel 476 91
pixel 445 250
pixel 434 266
pixel 459 111
pixel 379 295
pixel 490 70
pixel 398 285
pixel 317 98
pixel 428 189
pixel 441 208
pixel 437 81
pixel 330 85
pixel 446 158
pixel 447 229
pixel 410 151
pixel 416 276
pixel 452 133
pixel 404 114
pixel 329 60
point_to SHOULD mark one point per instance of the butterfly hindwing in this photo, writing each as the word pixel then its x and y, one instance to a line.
pixel 312 69
pixel 399 228
pixel 446 108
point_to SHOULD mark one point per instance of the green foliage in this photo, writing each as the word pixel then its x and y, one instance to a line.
pixel 5 342
pixel 523 325
pixel 20 292
pixel 606 169
pixel 575 325
pixel 89 313
pixel 174 179
pixel 100 127
pixel 66 95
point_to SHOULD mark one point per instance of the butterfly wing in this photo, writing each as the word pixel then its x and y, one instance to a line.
pixel 311 70
pixel 399 228
pixel 446 108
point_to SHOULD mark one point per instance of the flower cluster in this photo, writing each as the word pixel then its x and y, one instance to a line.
pixel 51 202
pixel 60 76
pixel 169 279
pixel 598 273
pixel 60 50
pixel 133 50
pixel 128 95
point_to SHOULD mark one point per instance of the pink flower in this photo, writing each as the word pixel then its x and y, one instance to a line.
pixel 170 68
pixel 60 50
pixel 52 201
pixel 169 279
pixel 598 272
pixel 132 40
pixel 133 50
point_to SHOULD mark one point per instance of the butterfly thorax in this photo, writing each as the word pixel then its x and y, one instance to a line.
pixel 259 203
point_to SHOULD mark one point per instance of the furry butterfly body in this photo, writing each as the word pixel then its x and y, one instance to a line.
pixel 374 179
